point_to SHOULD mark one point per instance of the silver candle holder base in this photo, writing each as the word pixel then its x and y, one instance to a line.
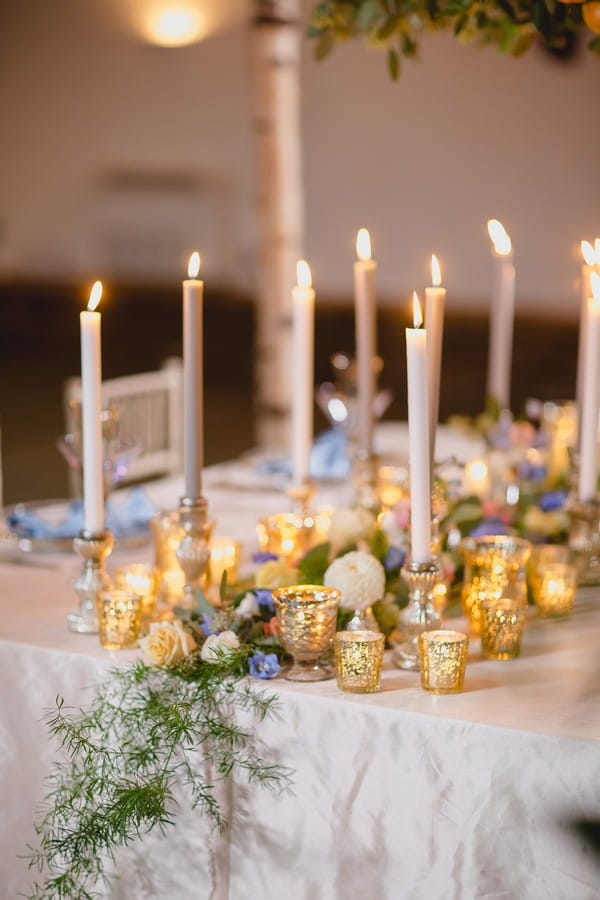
pixel 93 549
pixel 193 553
pixel 584 540
pixel 419 615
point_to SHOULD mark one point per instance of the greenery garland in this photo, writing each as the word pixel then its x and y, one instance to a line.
pixel 146 733
pixel 398 25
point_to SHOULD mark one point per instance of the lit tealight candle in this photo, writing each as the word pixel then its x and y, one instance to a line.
pixel 477 478
pixel 224 557
pixel 501 316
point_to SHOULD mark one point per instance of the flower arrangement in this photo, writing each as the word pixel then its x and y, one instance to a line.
pixel 511 25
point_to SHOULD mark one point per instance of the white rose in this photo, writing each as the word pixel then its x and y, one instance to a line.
pixel 166 643
pixel 348 526
pixel 215 644
pixel 359 577
pixel 248 606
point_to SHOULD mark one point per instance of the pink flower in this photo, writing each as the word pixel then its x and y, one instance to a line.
pixel 402 512
pixel 270 628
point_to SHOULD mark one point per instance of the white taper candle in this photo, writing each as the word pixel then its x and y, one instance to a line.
pixel 435 298
pixel 303 314
pixel 91 410
pixel 193 400
pixel 366 339
pixel 418 438
pixel 501 316
pixel 590 397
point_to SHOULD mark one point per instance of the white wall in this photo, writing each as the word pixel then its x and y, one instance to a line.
pixel 465 135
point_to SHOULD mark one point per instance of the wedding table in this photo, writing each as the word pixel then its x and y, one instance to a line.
pixel 399 794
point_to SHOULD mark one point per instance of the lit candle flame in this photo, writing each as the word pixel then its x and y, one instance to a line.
pixel 95 295
pixel 436 272
pixel 194 265
pixel 303 277
pixel 499 237
pixel 417 314
pixel 174 25
pixel 588 253
pixel 363 244
pixel 595 285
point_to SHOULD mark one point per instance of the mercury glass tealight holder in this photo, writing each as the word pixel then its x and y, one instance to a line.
pixel 443 655
pixel 167 534
pixel 306 619
pixel 584 540
pixel 542 556
pixel 358 658
pixel 285 534
pixel 392 486
pixel 555 593
pixel 225 556
pixel 502 624
pixel 140 579
pixel 119 613
pixel 495 567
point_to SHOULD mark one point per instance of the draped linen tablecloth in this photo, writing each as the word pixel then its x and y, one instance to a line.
pixel 398 795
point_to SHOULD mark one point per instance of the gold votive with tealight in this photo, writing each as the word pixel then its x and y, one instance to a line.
pixel 225 556
pixel 543 556
pixel 167 534
pixel 119 614
pixel 140 579
pixel 495 568
pixel 392 486
pixel 502 624
pixel 306 620
pixel 443 655
pixel 358 658
pixel 555 593
pixel 285 534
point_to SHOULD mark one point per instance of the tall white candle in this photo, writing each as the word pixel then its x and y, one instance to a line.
pixel 435 298
pixel 303 318
pixel 501 316
pixel 590 261
pixel 366 339
pixel 193 419
pixel 91 409
pixel 590 397
pixel 418 438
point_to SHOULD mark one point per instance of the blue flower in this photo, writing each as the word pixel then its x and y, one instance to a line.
pixel 261 557
pixel 264 665
pixel 207 625
pixel 394 559
pixel 529 471
pixel 489 526
pixel 264 597
pixel 552 500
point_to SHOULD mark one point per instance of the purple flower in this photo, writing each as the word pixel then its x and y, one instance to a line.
pixel 264 665
pixel 208 625
pixel 529 471
pixel 264 597
pixel 489 526
pixel 552 500
pixel 261 557
pixel 394 558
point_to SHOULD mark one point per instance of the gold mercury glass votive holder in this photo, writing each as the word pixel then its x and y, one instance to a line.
pixel 543 556
pixel 140 579
pixel 443 655
pixel 555 593
pixel 495 568
pixel 225 556
pixel 285 534
pixel 502 624
pixel 119 613
pixel 358 658
pixel 167 534
pixel 306 619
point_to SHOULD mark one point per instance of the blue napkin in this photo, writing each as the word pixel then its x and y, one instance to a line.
pixel 328 458
pixel 123 519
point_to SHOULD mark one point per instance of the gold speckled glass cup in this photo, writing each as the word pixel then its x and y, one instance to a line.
pixel 285 534
pixel 555 592
pixel 502 624
pixel 495 567
pixel 443 656
pixel 306 619
pixel 140 579
pixel 119 613
pixel 358 658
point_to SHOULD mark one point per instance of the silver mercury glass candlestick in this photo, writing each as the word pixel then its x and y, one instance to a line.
pixel 93 549
pixel 419 615
pixel 193 553
pixel 584 539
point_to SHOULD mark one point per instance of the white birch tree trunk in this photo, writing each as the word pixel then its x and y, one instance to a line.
pixel 276 124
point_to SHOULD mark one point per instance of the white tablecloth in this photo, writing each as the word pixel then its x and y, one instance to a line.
pixel 395 795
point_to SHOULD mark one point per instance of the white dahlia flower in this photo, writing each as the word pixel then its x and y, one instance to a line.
pixel 359 577
pixel 349 526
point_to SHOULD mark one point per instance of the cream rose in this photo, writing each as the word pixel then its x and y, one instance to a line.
pixel 350 526
pixel 215 644
pixel 166 643
pixel 276 573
